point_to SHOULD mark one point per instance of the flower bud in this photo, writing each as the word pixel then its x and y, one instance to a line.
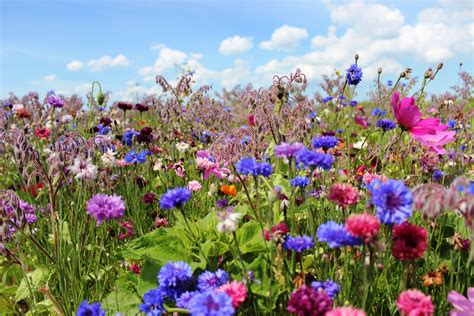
pixel 100 98
pixel 356 57
pixel 440 65
pixel 379 71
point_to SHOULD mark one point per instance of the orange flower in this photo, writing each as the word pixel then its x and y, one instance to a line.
pixel 229 190
pixel 433 278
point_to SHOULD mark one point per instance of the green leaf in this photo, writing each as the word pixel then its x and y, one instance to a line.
pixel 32 282
pixel 249 238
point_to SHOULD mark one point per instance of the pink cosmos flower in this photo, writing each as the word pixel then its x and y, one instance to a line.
pixel 194 186
pixel 364 226
pixel 236 291
pixel 462 306
pixel 428 132
pixel 346 311
pixel 414 303
pixel 209 165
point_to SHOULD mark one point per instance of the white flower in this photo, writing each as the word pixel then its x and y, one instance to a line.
pixel 158 165
pixel 359 144
pixel 66 118
pixel 17 107
pixel 83 169
pixel 182 146
pixel 108 158
pixel 227 221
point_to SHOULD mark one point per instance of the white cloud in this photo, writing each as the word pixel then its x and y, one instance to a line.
pixel 235 45
pixel 49 77
pixel 285 38
pixel 167 59
pixel 108 62
pixel 75 65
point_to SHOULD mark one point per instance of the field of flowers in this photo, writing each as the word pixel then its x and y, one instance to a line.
pixel 245 202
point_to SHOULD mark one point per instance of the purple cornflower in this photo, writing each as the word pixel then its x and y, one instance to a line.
pixel 324 142
pixel 298 243
pixel 55 102
pixel 386 125
pixel 313 159
pixel 299 182
pixel 185 298
pixel 354 75
pixel 212 280
pixel 307 301
pixel 174 278
pixel 105 207
pixel 329 286
pixel 392 200
pixel 152 303
pixel 211 303
pixel 222 203
pixel 335 235
pixel 94 309
pixel 285 150
pixel 175 198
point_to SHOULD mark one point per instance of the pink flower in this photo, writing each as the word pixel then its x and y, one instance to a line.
pixel 364 226
pixel 346 311
pixel 236 291
pixel 428 132
pixel 414 303
pixel 209 165
pixel 194 186
pixel 462 306
pixel 362 121
pixel 343 194
pixel 42 132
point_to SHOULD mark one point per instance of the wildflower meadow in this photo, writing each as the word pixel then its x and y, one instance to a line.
pixel 294 198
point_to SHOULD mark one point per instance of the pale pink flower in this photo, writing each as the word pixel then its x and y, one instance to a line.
pixel 194 186
pixel 236 291
pixel 83 169
pixel 414 303
pixel 346 311
pixel 463 306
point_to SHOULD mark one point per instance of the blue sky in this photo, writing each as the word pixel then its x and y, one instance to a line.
pixel 65 45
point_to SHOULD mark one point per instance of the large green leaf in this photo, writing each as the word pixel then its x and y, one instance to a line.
pixel 249 238
pixel 31 282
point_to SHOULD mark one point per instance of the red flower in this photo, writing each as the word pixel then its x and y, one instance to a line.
pixel 410 241
pixel 42 132
pixel 252 120
pixel 135 268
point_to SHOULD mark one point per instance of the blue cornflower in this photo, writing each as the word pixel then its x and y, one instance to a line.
pixel 353 103
pixel 335 235
pixel 341 97
pixel 313 159
pixel 174 279
pixel 452 123
pixel 437 175
pixel 389 83
pixel 264 169
pixel 299 182
pixel 327 99
pixel 392 200
pixel 133 157
pixel 211 303
pixel 185 298
pixel 298 243
pixel 102 129
pixel 128 137
pixel 354 75
pixel 344 103
pixel 386 125
pixel 152 303
pixel 324 142
pixel 340 131
pixel 247 166
pixel 329 286
pixel 94 309
pixel 175 198
pixel 378 112
pixel 312 115
pixel 212 280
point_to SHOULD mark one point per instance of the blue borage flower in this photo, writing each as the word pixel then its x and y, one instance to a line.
pixel 335 235
pixel 314 159
pixel 212 280
pixel 324 142
pixel 152 303
pixel 211 303
pixel 354 75
pixel 174 278
pixel 175 198
pixel 249 166
pixel 386 125
pixel 86 309
pixel 392 201
pixel 299 182
pixel 298 243
pixel 133 157
pixel 329 286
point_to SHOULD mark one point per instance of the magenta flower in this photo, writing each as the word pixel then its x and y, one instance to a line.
pixel 462 306
pixel 414 303
pixel 210 165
